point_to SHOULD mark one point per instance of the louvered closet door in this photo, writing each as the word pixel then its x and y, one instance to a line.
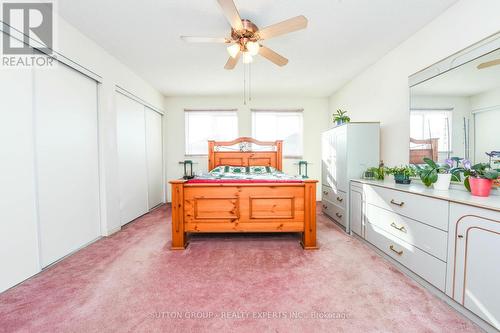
pixel 66 161
pixel 154 152
pixel 132 167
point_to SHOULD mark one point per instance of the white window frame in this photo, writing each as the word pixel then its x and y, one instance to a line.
pixel 215 111
pixel 449 111
pixel 277 112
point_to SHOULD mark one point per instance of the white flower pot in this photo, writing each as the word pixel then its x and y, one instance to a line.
pixel 443 182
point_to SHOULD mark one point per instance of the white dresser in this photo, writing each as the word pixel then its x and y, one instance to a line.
pixel 449 239
pixel 347 151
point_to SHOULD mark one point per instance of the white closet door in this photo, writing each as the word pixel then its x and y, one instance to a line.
pixel 132 168
pixel 486 123
pixel 67 161
pixel 18 228
pixel 154 152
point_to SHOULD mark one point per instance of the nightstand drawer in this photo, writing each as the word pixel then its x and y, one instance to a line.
pixel 418 207
pixel 427 238
pixel 428 267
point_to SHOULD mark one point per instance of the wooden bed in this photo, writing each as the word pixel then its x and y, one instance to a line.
pixel 244 207
pixel 423 148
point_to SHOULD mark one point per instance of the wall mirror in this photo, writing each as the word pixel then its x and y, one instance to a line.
pixel 455 107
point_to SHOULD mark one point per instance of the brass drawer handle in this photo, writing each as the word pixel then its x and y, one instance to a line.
pixel 400 204
pixel 339 199
pixel 397 252
pixel 338 215
pixel 401 228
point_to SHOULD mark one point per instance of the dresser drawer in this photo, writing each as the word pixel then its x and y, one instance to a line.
pixel 431 211
pixel 427 238
pixel 335 212
pixel 334 196
pixel 428 267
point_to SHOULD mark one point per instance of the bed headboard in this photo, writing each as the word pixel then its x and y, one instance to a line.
pixel 245 151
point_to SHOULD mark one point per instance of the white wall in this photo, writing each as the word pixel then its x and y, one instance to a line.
pixel 314 124
pixel 76 46
pixel 380 93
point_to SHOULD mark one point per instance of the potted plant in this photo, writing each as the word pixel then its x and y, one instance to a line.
pixel 402 174
pixel 377 173
pixel 340 117
pixel 479 178
pixel 438 175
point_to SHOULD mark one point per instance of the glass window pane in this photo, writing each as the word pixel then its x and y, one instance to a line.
pixel 286 126
pixel 202 126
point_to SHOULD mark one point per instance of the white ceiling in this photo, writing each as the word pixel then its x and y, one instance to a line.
pixel 463 81
pixel 343 38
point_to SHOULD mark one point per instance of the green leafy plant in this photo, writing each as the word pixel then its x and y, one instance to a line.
pixel 341 116
pixel 428 173
pixel 378 172
pixel 402 173
pixel 404 170
pixel 480 170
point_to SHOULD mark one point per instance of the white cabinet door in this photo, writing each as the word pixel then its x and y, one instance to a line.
pixel 18 227
pixel 132 166
pixel 474 248
pixel 356 212
pixel 334 158
pixel 67 161
pixel 154 153
pixel 326 158
pixel 341 159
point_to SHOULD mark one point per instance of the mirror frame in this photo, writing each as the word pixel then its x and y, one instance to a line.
pixel 477 50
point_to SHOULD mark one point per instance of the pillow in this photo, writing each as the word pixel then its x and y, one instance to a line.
pixel 255 169
pixel 261 169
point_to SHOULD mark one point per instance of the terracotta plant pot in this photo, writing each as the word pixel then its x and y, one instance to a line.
pixel 480 187
pixel 443 182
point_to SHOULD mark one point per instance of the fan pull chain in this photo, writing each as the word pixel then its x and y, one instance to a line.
pixel 250 81
pixel 244 84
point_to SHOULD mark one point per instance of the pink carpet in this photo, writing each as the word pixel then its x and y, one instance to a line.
pixel 132 282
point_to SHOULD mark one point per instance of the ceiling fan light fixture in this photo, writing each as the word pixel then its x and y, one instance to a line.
pixel 233 50
pixel 247 58
pixel 253 48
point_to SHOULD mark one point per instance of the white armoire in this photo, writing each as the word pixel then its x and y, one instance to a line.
pixel 347 151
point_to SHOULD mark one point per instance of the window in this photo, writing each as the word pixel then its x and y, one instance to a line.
pixel 426 124
pixel 202 126
pixel 279 125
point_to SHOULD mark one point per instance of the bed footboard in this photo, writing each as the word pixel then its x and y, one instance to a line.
pixel 255 207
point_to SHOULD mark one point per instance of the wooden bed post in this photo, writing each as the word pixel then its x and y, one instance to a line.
pixel 309 234
pixel 179 240
pixel 279 153
pixel 211 157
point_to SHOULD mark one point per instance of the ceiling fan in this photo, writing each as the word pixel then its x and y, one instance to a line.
pixel 489 64
pixel 246 37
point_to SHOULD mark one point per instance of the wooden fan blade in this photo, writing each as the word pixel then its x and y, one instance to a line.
pixel 196 39
pixel 272 56
pixel 489 64
pixel 231 13
pixel 231 62
pixel 290 25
